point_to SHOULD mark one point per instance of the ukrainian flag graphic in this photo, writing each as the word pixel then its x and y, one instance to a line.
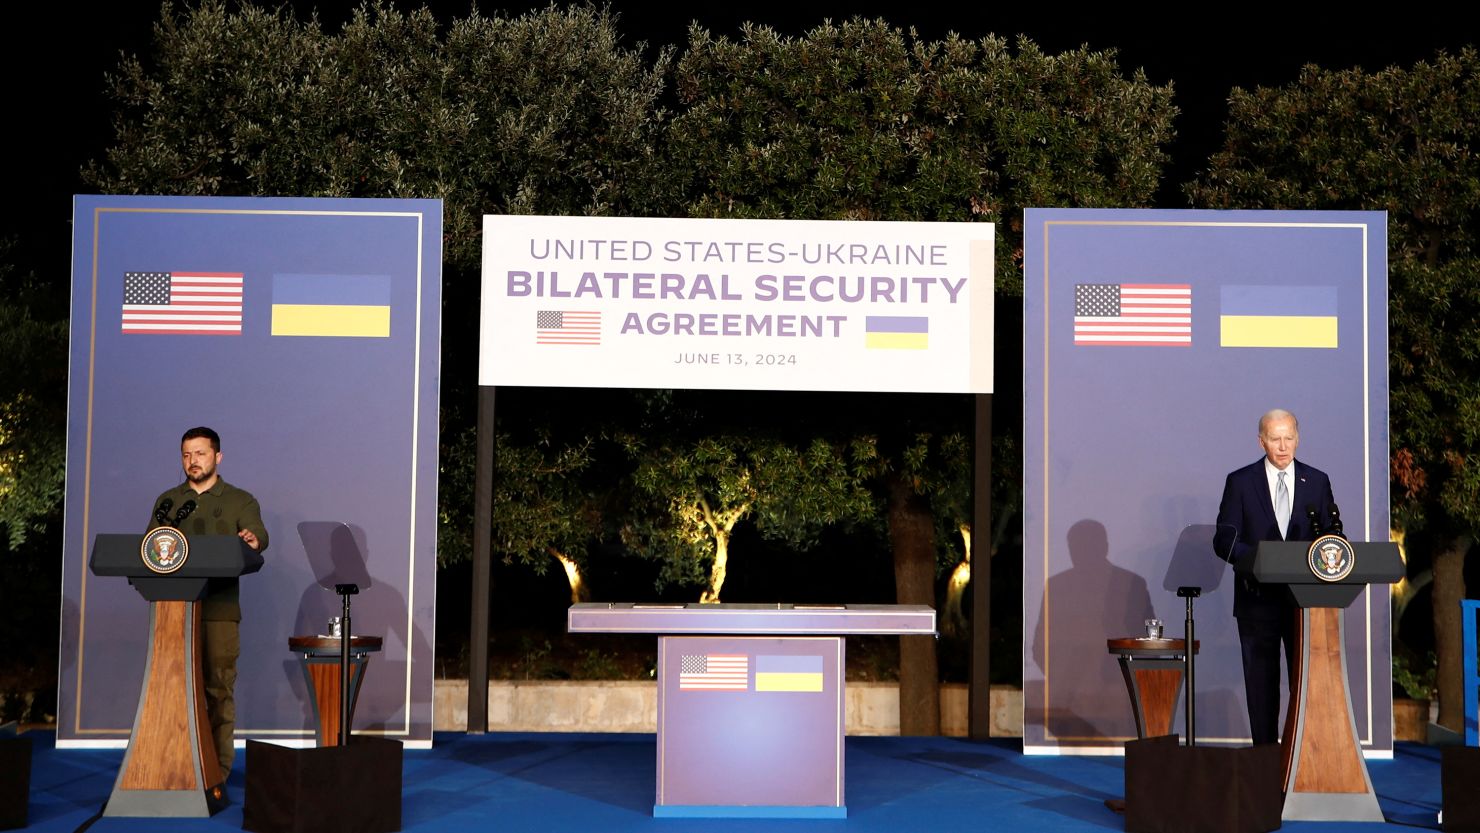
pixel 331 305
pixel 788 673
pixel 896 332
pixel 1278 316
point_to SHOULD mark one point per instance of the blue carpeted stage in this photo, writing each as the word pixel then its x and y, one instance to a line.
pixel 552 783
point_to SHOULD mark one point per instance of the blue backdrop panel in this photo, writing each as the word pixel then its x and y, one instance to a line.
pixel 1134 415
pixel 335 434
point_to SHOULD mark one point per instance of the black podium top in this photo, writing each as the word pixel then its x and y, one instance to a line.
pixel 1288 563
pixel 211 556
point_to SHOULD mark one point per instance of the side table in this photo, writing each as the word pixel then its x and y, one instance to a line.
pixel 1153 677
pixel 319 656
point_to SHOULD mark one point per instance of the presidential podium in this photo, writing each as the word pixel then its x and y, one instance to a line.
pixel 1325 775
pixel 171 768
pixel 751 706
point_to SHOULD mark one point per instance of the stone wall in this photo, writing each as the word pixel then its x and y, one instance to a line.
pixel 632 706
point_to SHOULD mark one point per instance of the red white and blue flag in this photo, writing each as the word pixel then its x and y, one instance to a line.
pixel 567 327
pixel 1133 314
pixel 182 303
pixel 714 672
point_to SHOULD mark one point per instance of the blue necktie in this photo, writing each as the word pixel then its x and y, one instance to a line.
pixel 1282 504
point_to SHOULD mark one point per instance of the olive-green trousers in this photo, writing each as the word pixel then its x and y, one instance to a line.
pixel 221 643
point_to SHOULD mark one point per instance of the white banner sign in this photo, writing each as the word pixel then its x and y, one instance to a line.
pixel 736 304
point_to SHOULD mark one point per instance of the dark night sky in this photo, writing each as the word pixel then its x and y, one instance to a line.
pixel 58 119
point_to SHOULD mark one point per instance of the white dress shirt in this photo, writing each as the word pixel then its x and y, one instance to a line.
pixel 1271 474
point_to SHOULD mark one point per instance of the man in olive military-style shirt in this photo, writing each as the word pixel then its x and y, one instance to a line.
pixel 220 509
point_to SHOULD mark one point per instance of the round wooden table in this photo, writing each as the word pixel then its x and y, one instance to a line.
pixel 1153 676
pixel 319 656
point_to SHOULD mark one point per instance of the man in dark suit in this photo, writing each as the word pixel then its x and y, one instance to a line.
pixel 1270 500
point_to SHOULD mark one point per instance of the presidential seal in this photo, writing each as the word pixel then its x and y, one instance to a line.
pixel 1331 558
pixel 164 549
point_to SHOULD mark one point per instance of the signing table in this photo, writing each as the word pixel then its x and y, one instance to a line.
pixel 750 700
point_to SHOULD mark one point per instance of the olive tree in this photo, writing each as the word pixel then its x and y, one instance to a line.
pixel 697 492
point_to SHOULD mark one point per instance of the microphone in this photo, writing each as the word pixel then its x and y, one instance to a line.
pixel 185 509
pixel 1336 526
pixel 162 512
pixel 1315 520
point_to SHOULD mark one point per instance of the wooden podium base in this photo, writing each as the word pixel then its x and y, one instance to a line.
pixel 170 768
pixel 1325 774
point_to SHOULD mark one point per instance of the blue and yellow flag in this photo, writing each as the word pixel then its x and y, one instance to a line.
pixel 896 332
pixel 788 673
pixel 331 305
pixel 1278 316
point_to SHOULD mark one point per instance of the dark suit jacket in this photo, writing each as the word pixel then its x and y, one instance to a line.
pixel 1246 517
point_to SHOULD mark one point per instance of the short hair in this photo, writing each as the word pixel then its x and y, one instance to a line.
pixel 202 431
pixel 1272 415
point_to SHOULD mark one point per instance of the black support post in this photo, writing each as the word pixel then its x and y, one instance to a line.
pixel 979 698
pixel 482 569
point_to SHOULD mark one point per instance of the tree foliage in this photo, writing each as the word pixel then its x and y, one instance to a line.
pixel 33 404
pixel 937 468
pixel 540 505
pixel 697 493
pixel 544 505
pixel 1436 394
pixel 1403 140
pixel 862 121
pixel 543 113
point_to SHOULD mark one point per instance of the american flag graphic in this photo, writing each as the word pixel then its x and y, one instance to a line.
pixel 714 672
pixel 1141 314
pixel 182 303
pixel 567 327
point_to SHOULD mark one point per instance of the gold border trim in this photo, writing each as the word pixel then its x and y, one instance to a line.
pixel 1048 736
pixel 97 212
